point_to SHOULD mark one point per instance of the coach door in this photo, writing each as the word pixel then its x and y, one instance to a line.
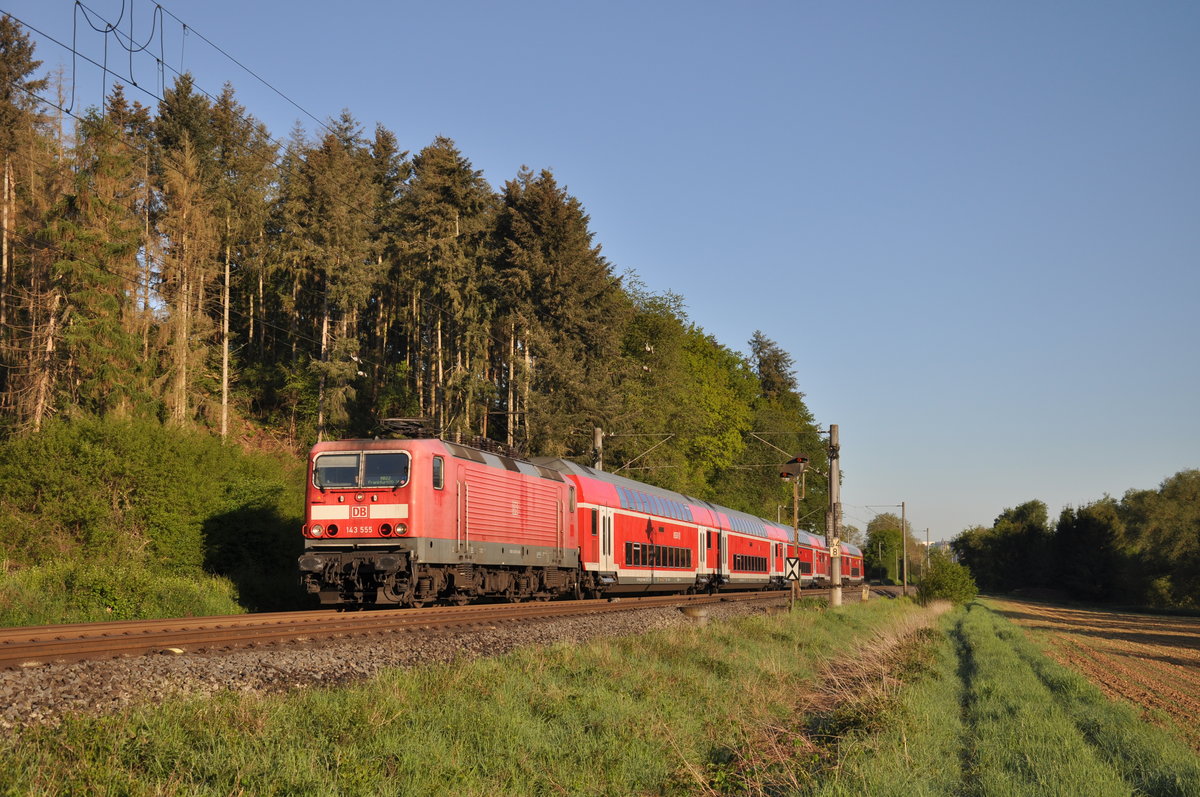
pixel 462 530
pixel 607 560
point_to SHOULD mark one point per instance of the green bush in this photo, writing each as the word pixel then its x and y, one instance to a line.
pixel 159 500
pixel 84 592
pixel 946 580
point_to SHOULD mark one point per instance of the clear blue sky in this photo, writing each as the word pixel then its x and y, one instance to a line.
pixel 976 226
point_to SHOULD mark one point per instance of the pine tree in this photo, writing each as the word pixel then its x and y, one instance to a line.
pixel 385 337
pixel 339 244
pixel 244 158
pixel 19 119
pixel 447 217
pixel 99 233
pixel 187 168
pixel 563 313
pixel 188 268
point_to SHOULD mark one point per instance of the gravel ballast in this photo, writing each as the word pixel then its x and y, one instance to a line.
pixel 45 693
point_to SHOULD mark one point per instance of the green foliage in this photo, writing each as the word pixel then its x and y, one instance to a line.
pixel 557 293
pixel 946 580
pixel 156 498
pixel 1143 549
pixel 71 591
pixel 1162 540
pixel 883 551
pixel 357 283
pixel 1087 547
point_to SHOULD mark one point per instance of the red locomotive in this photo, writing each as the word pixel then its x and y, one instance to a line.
pixel 408 522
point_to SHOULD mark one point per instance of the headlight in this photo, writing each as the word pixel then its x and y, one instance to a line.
pixel 316 530
pixel 402 528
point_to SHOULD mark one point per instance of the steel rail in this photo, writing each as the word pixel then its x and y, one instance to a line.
pixel 37 645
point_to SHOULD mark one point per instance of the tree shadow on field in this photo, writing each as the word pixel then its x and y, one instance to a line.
pixel 968 754
pixel 1154 632
pixel 256 548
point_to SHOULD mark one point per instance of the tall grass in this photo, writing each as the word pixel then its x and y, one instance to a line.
pixel 859 701
pixel 71 591
pixel 651 714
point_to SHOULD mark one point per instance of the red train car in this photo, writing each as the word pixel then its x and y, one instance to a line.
pixel 853 571
pixel 411 521
pixel 406 522
pixel 640 538
pixel 808 548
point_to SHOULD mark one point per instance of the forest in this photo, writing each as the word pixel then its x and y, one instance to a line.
pixel 178 266
pixel 174 278
pixel 1142 549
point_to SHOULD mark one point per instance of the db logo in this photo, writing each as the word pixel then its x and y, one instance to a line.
pixel 358 511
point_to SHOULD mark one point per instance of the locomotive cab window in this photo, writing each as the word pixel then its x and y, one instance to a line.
pixel 385 470
pixel 439 473
pixel 336 470
pixel 359 469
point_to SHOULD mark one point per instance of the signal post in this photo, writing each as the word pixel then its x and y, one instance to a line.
pixel 833 518
pixel 794 470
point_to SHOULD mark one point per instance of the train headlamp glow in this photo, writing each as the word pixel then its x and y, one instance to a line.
pixel 316 530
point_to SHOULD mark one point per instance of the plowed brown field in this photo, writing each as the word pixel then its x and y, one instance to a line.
pixel 1151 661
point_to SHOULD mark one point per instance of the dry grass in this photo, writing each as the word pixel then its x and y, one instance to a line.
pixel 851 694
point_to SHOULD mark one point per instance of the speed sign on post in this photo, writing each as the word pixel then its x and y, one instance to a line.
pixel 835 551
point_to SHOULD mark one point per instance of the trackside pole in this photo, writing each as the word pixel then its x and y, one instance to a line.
pixel 795 535
pixel 794 470
pixel 833 519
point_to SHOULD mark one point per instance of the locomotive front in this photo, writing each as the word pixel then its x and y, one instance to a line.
pixel 360 504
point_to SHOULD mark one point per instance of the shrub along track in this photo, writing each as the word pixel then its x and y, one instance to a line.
pixel 1151 661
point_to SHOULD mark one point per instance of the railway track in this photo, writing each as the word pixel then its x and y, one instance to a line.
pixel 38 645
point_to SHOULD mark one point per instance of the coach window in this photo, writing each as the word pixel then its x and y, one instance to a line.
pixel 439 473
pixel 595 521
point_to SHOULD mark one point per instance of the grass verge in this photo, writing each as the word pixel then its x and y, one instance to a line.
pixel 882 698
pixel 627 716
pixel 993 716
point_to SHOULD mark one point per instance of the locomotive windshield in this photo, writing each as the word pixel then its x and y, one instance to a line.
pixel 360 469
